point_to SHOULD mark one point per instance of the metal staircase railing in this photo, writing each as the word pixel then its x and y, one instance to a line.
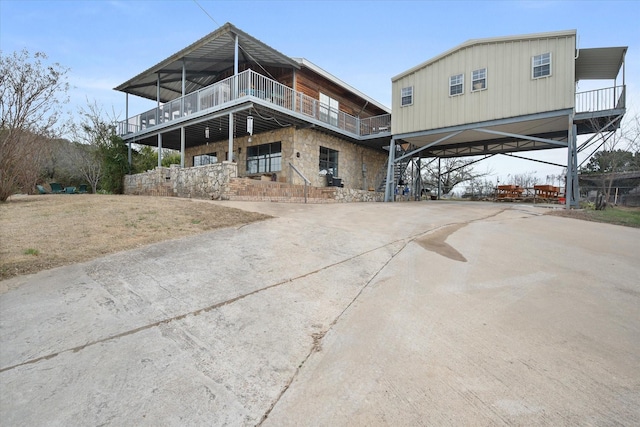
pixel 399 168
pixel 306 180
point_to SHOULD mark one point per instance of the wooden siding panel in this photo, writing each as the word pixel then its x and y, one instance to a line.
pixel 312 84
pixel 511 90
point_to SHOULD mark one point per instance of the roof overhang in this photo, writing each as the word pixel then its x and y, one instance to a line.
pixel 204 61
pixel 599 63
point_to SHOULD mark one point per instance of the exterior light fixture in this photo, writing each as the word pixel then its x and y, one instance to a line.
pixel 206 132
pixel 250 125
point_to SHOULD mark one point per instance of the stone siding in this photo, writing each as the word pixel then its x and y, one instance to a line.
pixel 359 167
pixel 202 182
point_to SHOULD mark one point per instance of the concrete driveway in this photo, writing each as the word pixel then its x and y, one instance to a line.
pixel 430 313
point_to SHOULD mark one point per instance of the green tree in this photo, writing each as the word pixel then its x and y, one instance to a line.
pixel 147 158
pixel 103 156
pixel 31 98
pixel 115 163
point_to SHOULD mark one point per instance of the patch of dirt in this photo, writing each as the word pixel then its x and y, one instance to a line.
pixel 45 231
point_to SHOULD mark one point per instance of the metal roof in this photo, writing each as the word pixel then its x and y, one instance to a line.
pixel 204 61
pixel 599 63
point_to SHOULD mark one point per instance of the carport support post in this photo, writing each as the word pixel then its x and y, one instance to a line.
pixel 572 191
pixel 388 188
pixel 159 150
pixel 439 179
pixel 182 144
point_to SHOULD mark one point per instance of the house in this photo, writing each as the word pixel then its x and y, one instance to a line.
pixel 505 95
pixel 236 108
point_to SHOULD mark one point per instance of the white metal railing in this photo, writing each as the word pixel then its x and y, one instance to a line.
pixel 610 98
pixel 252 84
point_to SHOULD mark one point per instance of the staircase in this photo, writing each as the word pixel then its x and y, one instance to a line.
pixel 398 170
pixel 246 189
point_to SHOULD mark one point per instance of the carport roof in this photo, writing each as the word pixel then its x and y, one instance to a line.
pixel 204 59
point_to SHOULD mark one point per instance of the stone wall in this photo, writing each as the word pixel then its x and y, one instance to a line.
pixel 359 167
pixel 202 182
pixel 349 195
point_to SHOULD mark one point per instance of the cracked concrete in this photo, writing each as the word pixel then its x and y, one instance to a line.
pixel 356 314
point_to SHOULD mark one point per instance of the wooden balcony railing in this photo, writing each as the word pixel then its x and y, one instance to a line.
pixel 251 84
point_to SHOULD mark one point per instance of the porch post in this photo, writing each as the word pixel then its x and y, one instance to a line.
pixel 158 101
pixel 235 56
pixel 293 93
pixel 182 145
pixel 126 113
pixel 230 137
pixel 159 150
pixel 388 188
pixel 184 88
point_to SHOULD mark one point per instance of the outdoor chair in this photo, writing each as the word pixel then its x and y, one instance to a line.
pixel 82 189
pixel 56 188
pixel 70 190
pixel 42 190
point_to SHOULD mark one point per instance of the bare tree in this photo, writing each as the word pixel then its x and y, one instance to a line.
pixel 31 97
pixel 613 156
pixel 453 171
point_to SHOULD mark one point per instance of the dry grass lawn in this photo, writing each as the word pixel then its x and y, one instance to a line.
pixel 41 232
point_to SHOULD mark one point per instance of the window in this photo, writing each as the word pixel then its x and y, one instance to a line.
pixel 479 79
pixel 264 158
pixel 205 159
pixel 329 108
pixel 407 96
pixel 541 65
pixel 456 85
pixel 329 161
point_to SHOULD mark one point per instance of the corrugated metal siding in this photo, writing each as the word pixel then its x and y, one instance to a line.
pixel 510 89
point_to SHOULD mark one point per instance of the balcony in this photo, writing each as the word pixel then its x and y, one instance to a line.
pixel 252 85
pixel 600 100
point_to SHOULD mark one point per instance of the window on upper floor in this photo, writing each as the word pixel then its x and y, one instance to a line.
pixel 479 79
pixel 541 65
pixel 329 109
pixel 205 159
pixel 406 96
pixel 456 84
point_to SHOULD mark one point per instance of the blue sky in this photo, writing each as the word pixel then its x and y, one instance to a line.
pixel 364 43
